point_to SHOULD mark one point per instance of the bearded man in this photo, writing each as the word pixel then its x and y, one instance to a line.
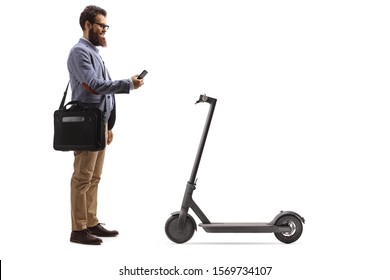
pixel 92 85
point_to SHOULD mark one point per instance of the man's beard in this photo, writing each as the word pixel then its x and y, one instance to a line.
pixel 97 40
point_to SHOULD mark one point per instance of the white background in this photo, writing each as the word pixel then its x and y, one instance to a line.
pixel 301 124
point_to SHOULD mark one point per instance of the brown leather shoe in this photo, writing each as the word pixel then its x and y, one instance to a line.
pixel 99 230
pixel 84 237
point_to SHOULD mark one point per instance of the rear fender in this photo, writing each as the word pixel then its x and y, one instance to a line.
pixel 287 213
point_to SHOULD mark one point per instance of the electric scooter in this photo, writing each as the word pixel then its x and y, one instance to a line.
pixel 180 226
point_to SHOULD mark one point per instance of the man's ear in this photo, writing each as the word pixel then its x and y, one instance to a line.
pixel 87 25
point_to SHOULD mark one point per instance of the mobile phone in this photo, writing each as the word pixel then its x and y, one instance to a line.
pixel 142 75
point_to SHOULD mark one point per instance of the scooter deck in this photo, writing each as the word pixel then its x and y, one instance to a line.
pixel 243 227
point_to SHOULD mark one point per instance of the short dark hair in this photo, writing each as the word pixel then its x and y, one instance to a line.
pixel 89 14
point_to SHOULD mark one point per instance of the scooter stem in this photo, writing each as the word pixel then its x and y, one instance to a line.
pixel 212 102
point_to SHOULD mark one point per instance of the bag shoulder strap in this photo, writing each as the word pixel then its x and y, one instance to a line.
pixel 62 104
pixel 64 97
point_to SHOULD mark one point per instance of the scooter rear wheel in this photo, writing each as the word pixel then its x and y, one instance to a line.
pixel 295 232
pixel 179 236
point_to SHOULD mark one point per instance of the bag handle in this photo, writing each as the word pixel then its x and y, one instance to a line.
pixel 75 103
pixel 63 98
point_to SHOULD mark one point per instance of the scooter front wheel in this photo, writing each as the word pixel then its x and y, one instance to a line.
pixel 295 232
pixel 179 236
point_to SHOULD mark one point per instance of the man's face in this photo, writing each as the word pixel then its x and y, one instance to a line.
pixel 97 31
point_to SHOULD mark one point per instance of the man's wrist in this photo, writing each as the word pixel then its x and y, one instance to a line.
pixel 131 84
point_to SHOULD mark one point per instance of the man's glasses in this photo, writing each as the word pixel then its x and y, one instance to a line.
pixel 102 26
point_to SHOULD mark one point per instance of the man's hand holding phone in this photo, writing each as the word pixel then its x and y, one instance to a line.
pixel 138 80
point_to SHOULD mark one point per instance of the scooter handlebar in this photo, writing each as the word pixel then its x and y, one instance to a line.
pixel 203 98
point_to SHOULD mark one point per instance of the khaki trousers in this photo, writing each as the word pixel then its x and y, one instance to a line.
pixel 88 167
